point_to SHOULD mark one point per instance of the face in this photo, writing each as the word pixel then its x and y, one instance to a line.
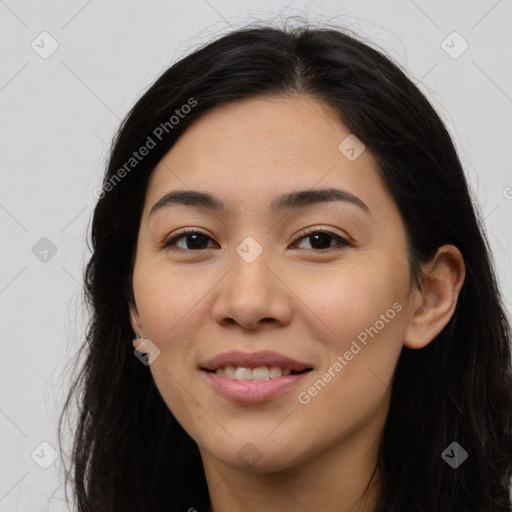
pixel 320 283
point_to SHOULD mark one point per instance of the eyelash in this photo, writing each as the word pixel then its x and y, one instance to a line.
pixel 342 242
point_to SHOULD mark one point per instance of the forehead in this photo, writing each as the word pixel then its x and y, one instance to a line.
pixel 266 128
pixel 253 150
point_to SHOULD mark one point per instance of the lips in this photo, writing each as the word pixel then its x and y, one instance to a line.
pixel 271 375
pixel 254 360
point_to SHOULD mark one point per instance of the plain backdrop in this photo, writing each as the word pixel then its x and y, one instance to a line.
pixel 58 114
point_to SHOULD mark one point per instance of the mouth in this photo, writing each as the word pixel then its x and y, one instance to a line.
pixel 261 365
pixel 259 373
pixel 246 390
pixel 253 377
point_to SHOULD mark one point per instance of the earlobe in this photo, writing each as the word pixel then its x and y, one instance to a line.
pixel 432 307
pixel 135 321
pixel 137 340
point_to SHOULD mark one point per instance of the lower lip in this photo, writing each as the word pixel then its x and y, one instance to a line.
pixel 247 391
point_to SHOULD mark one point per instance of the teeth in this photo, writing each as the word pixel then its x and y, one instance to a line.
pixel 275 372
pixel 229 372
pixel 260 373
pixel 243 374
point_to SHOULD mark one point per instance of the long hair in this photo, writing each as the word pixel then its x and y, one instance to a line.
pixel 130 453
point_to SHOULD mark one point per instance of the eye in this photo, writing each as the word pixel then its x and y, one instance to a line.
pixel 196 240
pixel 320 240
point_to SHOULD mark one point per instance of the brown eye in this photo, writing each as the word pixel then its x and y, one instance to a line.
pixel 194 240
pixel 321 240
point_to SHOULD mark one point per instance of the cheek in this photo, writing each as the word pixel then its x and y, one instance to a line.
pixel 167 300
pixel 361 353
pixel 362 315
pixel 346 301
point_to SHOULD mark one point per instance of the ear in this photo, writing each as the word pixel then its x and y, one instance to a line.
pixel 432 307
pixel 136 326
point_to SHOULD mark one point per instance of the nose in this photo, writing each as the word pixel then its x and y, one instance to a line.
pixel 253 295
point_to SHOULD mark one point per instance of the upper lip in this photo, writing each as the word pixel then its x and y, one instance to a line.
pixel 253 360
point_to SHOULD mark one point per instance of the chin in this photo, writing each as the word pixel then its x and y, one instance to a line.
pixel 259 456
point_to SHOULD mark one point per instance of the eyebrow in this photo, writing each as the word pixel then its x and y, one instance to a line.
pixel 286 202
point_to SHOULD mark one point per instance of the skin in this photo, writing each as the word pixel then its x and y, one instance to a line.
pixel 295 299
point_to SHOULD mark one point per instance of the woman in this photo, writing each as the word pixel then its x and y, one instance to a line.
pixel 293 301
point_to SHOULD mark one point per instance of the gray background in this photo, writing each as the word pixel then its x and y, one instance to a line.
pixel 58 117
